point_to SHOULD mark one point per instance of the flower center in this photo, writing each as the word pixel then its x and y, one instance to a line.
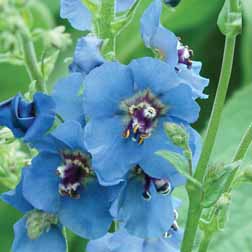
pixel 142 112
pixel 76 166
pixel 162 186
pixel 184 55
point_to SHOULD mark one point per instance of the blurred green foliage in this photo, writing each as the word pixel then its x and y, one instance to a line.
pixel 195 22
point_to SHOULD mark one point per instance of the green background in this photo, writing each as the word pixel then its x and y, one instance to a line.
pixel 195 22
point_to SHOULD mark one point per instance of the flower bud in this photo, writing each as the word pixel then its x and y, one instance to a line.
pixel 58 38
pixel 177 134
pixel 39 222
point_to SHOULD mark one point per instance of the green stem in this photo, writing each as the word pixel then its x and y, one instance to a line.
pixel 195 208
pixel 205 242
pixel 244 145
pixel 30 58
pixel 103 25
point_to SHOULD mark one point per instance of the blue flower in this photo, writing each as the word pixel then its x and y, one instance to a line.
pixel 79 15
pixel 28 237
pixel 171 49
pixel 87 55
pixel 127 107
pixel 61 180
pixel 29 120
pixel 67 98
pixel 67 91
pixel 121 241
pixel 145 206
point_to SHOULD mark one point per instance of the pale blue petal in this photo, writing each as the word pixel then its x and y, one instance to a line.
pixel 105 88
pixel 153 164
pixel 195 81
pixel 88 216
pixel 123 5
pixel 76 13
pixel 15 197
pixel 87 55
pixel 40 186
pixel 67 98
pixel 112 155
pixel 154 74
pixel 146 219
pixel 180 103
pixel 71 135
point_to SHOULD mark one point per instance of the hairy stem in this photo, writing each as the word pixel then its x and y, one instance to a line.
pixel 205 242
pixel 195 208
pixel 30 58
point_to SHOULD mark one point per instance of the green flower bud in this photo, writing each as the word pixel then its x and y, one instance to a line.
pixel 39 222
pixel 58 38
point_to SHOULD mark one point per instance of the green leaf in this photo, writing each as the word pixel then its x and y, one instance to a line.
pixel 180 163
pixel 216 182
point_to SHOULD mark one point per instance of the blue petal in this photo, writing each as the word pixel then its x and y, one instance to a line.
pixel 196 82
pixel 112 155
pixel 44 118
pixel 53 240
pixel 146 219
pixel 154 74
pixel 87 55
pixel 40 186
pixel 15 197
pixel 157 37
pixel 150 21
pixel 70 135
pixel 120 241
pixel 123 5
pixel 68 102
pixel 9 116
pixel 76 13
pixel 159 245
pixel 156 166
pixel 100 245
pixel 106 87
pixel 88 216
pixel 181 104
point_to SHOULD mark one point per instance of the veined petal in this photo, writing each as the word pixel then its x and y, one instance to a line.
pixel 88 216
pixel 112 155
pixel 181 104
pixel 15 197
pixel 68 101
pixel 87 55
pixel 40 186
pixel 106 87
pixel 143 218
pixel 71 136
pixel 154 74
pixel 123 5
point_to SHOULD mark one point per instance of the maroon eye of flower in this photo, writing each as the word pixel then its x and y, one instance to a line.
pixel 162 186
pixel 184 55
pixel 142 112
pixel 75 168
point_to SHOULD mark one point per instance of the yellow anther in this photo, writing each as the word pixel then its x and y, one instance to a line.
pixel 135 129
pixel 126 133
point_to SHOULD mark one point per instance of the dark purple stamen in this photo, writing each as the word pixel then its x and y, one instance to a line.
pixel 143 111
pixel 162 186
pixel 184 55
pixel 75 168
